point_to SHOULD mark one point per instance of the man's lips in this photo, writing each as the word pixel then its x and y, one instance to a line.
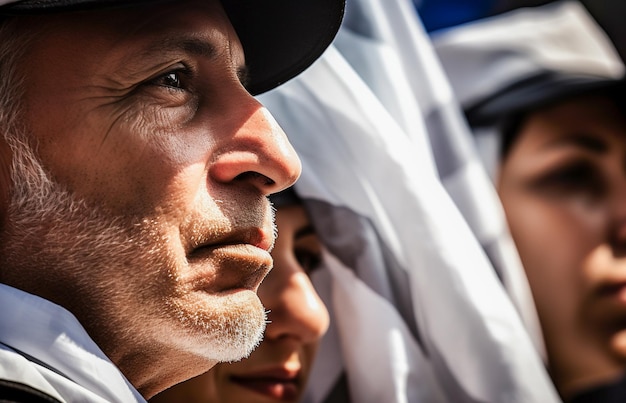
pixel 262 238
pixel 228 259
pixel 278 384
pixel 230 267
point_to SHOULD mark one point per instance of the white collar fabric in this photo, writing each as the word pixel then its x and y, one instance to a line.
pixel 44 346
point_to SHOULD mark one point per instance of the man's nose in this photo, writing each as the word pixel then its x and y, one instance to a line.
pixel 257 151
pixel 296 310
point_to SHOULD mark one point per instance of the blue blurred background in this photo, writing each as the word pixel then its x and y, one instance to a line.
pixel 437 14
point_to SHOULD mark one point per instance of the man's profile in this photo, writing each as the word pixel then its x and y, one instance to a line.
pixel 135 169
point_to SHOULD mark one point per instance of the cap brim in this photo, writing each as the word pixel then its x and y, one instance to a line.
pixel 536 92
pixel 280 38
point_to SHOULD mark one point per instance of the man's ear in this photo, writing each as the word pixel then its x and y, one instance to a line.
pixel 6 162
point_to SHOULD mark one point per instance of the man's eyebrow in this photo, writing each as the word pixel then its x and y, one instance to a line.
pixel 196 47
pixel 583 140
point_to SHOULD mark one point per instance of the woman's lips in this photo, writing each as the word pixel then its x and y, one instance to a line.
pixel 279 390
pixel 279 385
pixel 616 289
pixel 606 306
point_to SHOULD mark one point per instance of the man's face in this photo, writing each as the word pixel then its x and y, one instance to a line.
pixel 154 229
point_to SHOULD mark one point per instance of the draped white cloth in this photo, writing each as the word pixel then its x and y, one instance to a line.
pixel 43 345
pixel 419 252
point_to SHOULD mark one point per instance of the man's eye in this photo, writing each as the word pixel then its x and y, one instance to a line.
pixel 172 79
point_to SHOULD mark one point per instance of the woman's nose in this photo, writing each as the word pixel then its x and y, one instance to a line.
pixel 618 219
pixel 296 310
pixel 257 150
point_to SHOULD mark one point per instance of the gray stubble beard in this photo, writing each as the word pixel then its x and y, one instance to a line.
pixel 47 229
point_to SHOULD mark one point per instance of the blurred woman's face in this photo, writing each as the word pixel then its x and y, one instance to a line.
pixel 278 369
pixel 563 187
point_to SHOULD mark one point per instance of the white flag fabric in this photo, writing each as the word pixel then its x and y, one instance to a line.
pixel 419 314
pixel 389 33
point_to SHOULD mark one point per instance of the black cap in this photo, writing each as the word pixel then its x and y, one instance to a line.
pixel 280 38
pixel 539 91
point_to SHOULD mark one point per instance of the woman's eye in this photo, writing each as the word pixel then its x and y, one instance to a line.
pixel 309 260
pixel 573 179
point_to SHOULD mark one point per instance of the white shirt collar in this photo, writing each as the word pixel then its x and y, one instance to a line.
pixel 52 335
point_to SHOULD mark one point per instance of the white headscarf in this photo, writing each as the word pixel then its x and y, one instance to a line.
pixel 418 248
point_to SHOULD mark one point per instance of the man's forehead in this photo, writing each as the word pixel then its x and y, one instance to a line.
pixel 138 37
pixel 280 38
pixel 113 65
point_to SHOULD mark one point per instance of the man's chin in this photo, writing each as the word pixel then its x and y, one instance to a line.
pixel 227 330
pixel 243 344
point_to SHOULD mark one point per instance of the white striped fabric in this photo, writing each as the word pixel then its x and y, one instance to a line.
pixel 419 312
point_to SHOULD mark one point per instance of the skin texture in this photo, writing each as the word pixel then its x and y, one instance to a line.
pixel 563 187
pixel 141 186
pixel 277 371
